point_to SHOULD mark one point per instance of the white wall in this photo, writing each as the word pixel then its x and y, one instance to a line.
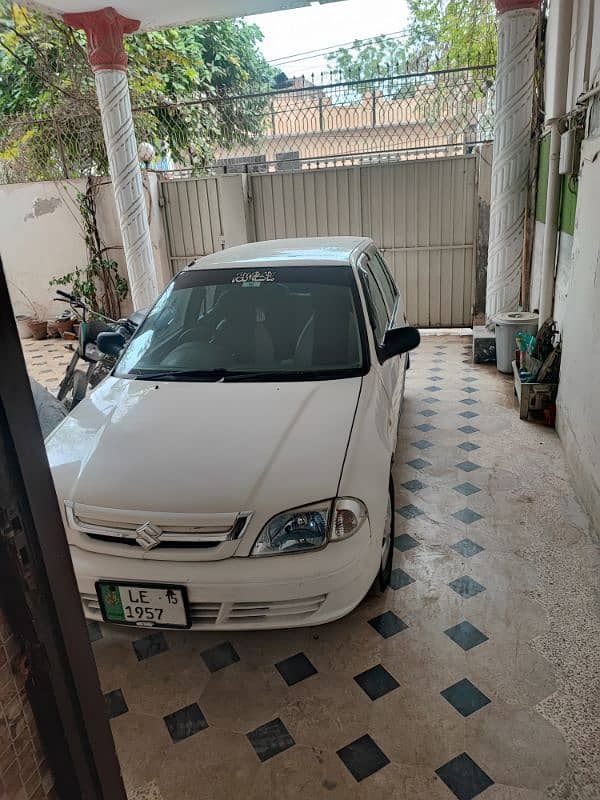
pixel 578 417
pixel 41 237
pixel 577 284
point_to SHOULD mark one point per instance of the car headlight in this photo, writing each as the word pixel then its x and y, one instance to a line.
pixel 310 527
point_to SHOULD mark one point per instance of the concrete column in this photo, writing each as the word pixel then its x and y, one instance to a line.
pixel 517 29
pixel 105 30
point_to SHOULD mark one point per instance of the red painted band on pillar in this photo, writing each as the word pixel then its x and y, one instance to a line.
pixel 514 5
pixel 104 30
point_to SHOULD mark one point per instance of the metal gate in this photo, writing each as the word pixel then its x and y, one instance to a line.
pixel 421 214
pixel 191 213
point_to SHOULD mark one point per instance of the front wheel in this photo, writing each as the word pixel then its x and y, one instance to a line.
pixel 383 577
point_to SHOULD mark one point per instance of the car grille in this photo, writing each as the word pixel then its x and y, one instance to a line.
pixel 248 613
pixel 176 530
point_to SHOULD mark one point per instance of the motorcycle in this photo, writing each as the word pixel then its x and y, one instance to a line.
pixel 74 385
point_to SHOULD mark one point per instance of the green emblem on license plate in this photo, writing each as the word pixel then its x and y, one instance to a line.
pixel 111 599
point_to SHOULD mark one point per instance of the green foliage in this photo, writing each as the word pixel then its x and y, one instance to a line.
pixel 44 71
pixel 441 33
pixel 455 33
pixel 99 282
pixel 368 60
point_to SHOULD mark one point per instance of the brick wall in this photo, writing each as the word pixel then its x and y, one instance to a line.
pixel 24 771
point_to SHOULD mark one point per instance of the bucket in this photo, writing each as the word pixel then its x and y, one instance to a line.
pixel 22 326
pixel 507 326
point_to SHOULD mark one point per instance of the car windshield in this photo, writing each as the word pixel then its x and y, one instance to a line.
pixel 290 323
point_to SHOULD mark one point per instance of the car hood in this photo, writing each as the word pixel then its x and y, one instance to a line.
pixel 210 447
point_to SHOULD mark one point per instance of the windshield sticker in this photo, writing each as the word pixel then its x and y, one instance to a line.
pixel 254 278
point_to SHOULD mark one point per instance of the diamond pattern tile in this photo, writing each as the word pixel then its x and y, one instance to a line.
pixel 295 669
pixel 468 466
pixel 468 401
pixel 94 631
pixel 413 486
pixel 432 389
pixel 465 779
pixel 465 697
pixel 466 635
pixel 422 444
pixel 388 624
pixel 186 722
pixel 410 511
pixel 466 587
pixel 419 463
pixel 219 657
pixel 467 515
pixel 470 389
pixel 425 427
pixel 467 488
pixel 254 693
pixel 405 542
pixel 363 758
pixel 151 645
pixel 400 579
pixel 115 704
pixel 468 446
pixel 270 739
pixel 376 682
pixel 467 548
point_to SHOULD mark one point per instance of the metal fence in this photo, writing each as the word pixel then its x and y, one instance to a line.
pixel 302 125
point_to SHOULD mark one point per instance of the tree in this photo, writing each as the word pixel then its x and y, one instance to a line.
pixel 177 78
pixel 440 33
pixel 369 59
pixel 455 33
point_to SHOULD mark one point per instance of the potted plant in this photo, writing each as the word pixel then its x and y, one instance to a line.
pixel 38 327
pixel 31 325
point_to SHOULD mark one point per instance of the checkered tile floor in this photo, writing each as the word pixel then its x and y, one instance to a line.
pixel 474 676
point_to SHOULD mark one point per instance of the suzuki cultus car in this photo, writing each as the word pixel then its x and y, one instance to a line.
pixel 233 471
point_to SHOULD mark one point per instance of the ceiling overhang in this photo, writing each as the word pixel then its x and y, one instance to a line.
pixel 172 13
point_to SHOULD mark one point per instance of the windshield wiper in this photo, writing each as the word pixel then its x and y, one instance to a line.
pixel 175 374
pixel 238 376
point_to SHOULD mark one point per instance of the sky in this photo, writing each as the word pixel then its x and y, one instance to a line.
pixel 315 27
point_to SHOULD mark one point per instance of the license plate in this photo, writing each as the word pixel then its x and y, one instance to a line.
pixel 144 606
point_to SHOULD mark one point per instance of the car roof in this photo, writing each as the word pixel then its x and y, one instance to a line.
pixel 314 251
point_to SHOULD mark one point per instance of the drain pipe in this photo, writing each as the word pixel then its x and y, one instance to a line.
pixel 551 226
pixel 560 37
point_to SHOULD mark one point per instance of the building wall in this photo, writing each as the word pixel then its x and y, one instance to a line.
pixel 577 284
pixel 41 237
pixel 578 412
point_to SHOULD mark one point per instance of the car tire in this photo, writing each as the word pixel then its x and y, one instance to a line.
pixel 384 574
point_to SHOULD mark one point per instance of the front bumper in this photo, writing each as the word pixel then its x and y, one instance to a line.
pixel 249 593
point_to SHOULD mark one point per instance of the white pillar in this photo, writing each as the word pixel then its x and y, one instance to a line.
pixel 517 29
pixel 105 30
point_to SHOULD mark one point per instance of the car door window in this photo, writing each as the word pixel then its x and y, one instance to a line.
pixel 376 305
pixel 385 280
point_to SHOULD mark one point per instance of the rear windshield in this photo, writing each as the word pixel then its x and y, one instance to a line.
pixel 287 322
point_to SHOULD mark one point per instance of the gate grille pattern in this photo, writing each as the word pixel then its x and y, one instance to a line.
pixel 304 125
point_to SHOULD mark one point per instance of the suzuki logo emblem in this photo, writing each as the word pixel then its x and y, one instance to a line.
pixel 148 535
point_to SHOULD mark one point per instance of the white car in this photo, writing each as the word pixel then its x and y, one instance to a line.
pixel 234 469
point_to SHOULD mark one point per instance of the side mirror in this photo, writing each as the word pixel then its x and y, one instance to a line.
pixel 110 343
pixel 398 341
